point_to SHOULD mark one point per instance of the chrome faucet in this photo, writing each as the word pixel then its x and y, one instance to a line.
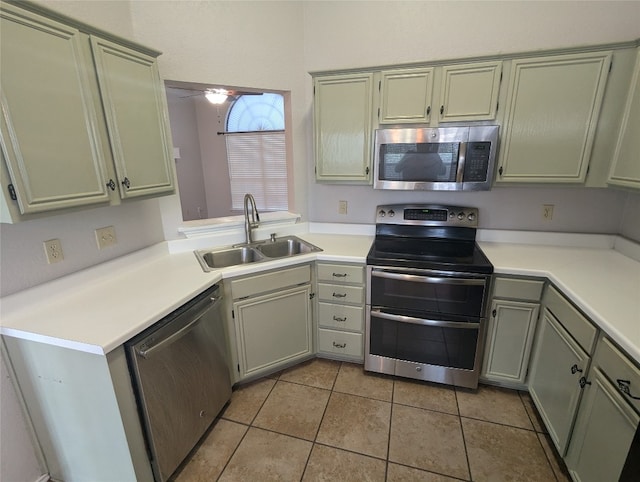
pixel 255 217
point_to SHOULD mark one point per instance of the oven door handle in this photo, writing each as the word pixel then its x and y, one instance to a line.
pixel 424 321
pixel 428 279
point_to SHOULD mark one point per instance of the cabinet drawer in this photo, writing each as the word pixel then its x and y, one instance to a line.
pixel 340 343
pixel 263 283
pixel 622 373
pixel 571 319
pixel 342 317
pixel 341 293
pixel 342 273
pixel 520 289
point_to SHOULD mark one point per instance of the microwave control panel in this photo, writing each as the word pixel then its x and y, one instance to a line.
pixel 477 161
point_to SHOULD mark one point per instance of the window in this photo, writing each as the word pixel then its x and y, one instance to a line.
pixel 256 151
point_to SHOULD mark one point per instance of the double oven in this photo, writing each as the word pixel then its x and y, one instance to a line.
pixel 428 286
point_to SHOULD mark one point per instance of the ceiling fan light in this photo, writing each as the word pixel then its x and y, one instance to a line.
pixel 216 96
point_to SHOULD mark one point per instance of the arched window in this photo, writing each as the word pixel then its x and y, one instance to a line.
pixel 256 151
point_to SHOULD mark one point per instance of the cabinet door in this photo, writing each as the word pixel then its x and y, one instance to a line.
pixel 134 105
pixel 625 170
pixel 558 363
pixel 342 125
pixel 552 113
pixel 273 330
pixel 604 430
pixel 509 339
pixel 469 92
pixel 49 127
pixel 405 95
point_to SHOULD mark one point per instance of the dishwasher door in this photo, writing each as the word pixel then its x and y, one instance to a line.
pixel 181 376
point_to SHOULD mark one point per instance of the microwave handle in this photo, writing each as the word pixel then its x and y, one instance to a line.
pixel 461 160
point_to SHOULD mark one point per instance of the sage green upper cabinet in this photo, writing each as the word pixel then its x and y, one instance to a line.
pixel 406 95
pixel 469 92
pixel 53 152
pixel 133 100
pixel 83 112
pixel 553 104
pixel 343 127
pixel 625 169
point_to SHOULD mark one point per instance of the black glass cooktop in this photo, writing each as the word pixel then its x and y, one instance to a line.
pixel 427 253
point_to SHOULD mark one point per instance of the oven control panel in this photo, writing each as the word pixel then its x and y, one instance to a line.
pixel 427 215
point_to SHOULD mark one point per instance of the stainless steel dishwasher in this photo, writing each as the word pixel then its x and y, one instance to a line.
pixel 181 378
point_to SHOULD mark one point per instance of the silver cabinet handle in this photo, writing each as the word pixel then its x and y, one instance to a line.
pixel 339 275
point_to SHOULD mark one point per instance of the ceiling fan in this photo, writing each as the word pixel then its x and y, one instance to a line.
pixel 215 95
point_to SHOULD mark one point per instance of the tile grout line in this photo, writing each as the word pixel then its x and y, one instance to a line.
pixel 386 468
pixel 531 415
pixel 324 412
pixel 464 440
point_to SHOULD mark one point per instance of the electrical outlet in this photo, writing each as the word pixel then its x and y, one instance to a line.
pixel 53 250
pixel 547 212
pixel 106 237
pixel 342 207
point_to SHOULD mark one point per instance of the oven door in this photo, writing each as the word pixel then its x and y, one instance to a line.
pixel 457 294
pixel 424 348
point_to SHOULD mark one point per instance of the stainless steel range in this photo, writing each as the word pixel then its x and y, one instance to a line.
pixel 428 286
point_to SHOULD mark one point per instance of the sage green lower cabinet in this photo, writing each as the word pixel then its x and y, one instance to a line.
pixel 554 378
pixel 563 347
pixel 341 297
pixel 509 338
pixel 83 411
pixel 511 328
pixel 603 433
pixel 272 320
pixel 608 417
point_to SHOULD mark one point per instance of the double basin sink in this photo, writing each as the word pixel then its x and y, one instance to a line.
pixel 261 251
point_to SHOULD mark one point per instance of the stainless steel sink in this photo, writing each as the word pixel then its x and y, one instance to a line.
pixel 254 253
pixel 228 257
pixel 289 246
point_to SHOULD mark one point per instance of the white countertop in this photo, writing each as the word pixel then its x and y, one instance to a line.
pixel 97 309
pixel 603 283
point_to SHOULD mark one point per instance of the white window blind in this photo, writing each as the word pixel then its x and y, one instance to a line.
pixel 257 165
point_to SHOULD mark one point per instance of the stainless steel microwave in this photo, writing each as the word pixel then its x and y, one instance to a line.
pixel 435 159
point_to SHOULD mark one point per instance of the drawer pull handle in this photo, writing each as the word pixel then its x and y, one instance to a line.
pixel 339 295
pixel 339 275
pixel 339 345
pixel 575 369
pixel 335 318
pixel 583 382
pixel 625 387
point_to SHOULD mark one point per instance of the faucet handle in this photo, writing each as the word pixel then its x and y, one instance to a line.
pixel 273 237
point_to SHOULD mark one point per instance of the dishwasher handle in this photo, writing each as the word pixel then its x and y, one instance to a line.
pixel 146 349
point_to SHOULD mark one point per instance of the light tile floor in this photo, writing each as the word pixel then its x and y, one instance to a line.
pixel 327 421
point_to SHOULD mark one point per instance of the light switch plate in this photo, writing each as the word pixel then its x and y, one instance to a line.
pixel 106 237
